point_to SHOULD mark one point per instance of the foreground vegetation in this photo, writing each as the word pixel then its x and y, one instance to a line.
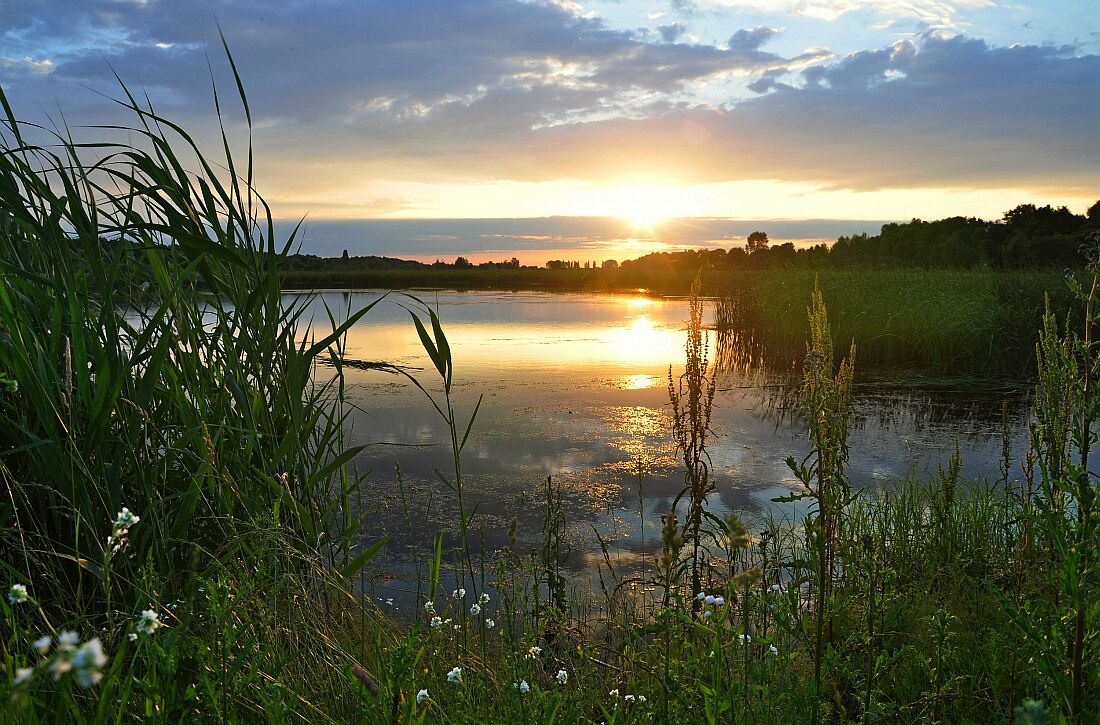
pixel 179 528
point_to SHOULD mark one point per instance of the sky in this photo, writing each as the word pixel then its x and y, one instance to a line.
pixel 534 114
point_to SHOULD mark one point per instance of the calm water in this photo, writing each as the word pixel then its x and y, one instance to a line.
pixel 575 387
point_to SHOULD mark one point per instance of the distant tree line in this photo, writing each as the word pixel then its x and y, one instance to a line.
pixel 1025 237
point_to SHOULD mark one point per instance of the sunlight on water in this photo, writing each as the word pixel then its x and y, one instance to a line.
pixel 574 386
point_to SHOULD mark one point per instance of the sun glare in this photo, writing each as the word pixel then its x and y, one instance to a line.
pixel 644 219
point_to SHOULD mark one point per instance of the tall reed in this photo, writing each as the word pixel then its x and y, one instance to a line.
pixel 692 399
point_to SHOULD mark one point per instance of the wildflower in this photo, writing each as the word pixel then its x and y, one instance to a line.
pixel 628 698
pixel 773 650
pixel 641 699
pixel 421 696
pixel 475 610
pixel 709 599
pixel 744 639
pixel 489 624
pixel 534 651
pixel 615 693
pixel 701 596
pixel 776 588
pixel 429 607
pixel 132 636
pixel 60 666
pixel 86 662
pixel 455 675
pixel 42 644
pixel 23 674
pixel 67 640
pixel 436 621
pixel 448 620
pixel 389 602
pixel 522 686
pixel 457 627
pixel 148 622
pixel 126 518
pixel 562 677
pixel 720 601
pixel 18 594
pixel 707 614
pixel 711 653
pixel 458 593
pixel 484 598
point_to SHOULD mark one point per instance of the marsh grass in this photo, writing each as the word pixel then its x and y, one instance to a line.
pixel 149 362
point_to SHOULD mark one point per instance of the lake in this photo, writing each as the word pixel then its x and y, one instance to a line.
pixel 574 386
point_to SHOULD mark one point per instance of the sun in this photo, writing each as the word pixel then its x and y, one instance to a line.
pixel 644 219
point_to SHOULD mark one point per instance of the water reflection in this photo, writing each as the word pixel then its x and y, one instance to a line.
pixel 574 386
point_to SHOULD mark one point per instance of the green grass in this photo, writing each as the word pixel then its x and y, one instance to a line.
pixel 147 361
pixel 960 322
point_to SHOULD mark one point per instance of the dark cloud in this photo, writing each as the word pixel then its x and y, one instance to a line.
pixel 745 40
pixel 669 33
pixel 448 237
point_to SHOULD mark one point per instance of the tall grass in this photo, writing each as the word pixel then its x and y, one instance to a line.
pixel 155 368
pixel 960 322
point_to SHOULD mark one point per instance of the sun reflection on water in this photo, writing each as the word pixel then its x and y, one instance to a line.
pixel 637 382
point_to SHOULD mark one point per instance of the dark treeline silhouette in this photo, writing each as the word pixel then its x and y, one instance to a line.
pixel 1026 237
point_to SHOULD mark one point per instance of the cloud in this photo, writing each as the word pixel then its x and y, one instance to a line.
pixel 746 40
pixel 479 90
pixel 942 14
pixel 669 33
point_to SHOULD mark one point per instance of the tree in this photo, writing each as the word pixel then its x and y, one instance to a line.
pixel 462 263
pixel 758 242
pixel 344 255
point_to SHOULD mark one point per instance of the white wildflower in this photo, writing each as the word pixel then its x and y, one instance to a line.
pixel 484 598
pixel 132 636
pixel 773 650
pixel 455 675
pixel 148 622
pixel 744 638
pixel 458 593
pixel 489 624
pixel 59 667
pixel 475 610
pixel 522 686
pixel 534 651
pixel 776 588
pixel 615 693
pixel 641 699
pixel 18 594
pixel 67 640
pixel 436 621
pixel 125 519
pixel 86 662
pixel 42 644
pixel 429 607
pixel 23 674
pixel 562 677
pixel 628 698
pixel 421 696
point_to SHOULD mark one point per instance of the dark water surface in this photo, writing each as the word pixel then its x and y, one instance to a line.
pixel 575 387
